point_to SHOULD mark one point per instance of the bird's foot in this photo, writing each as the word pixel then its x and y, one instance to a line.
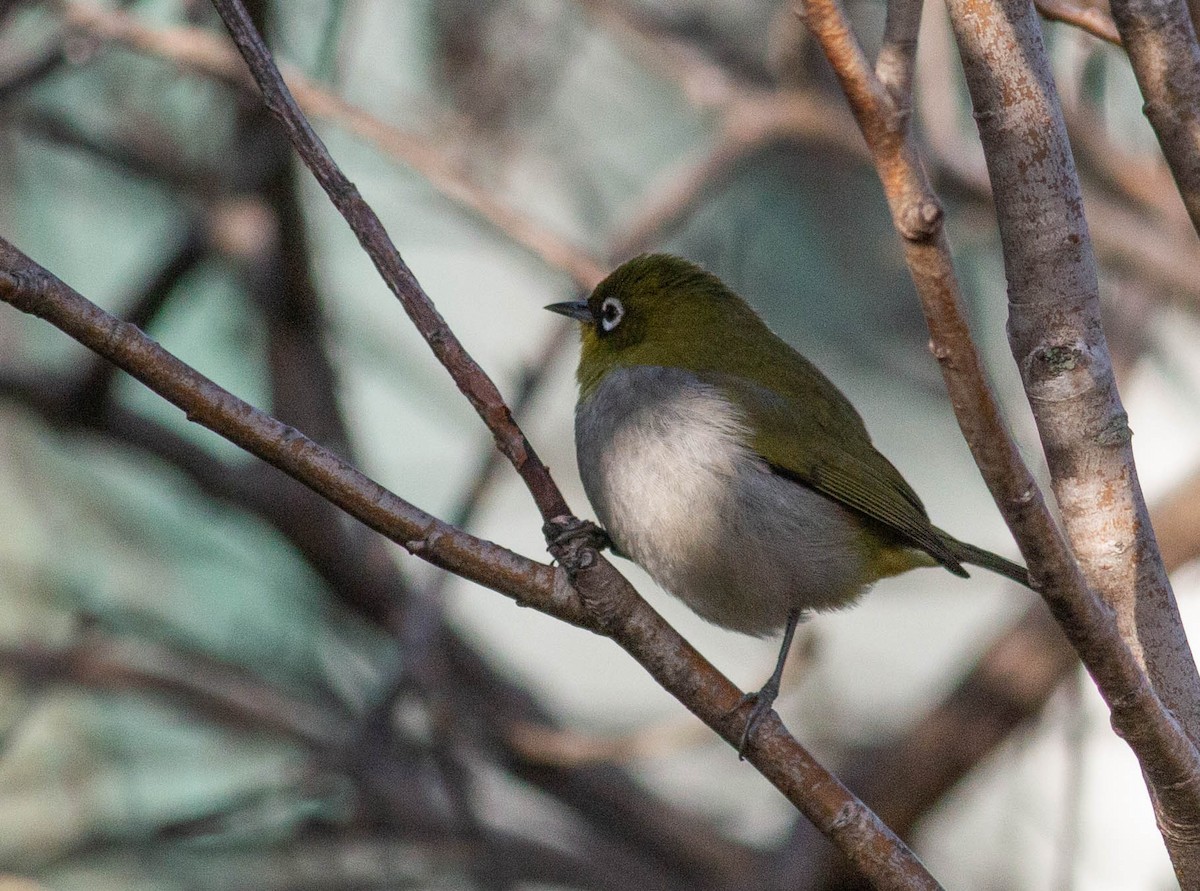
pixel 761 703
pixel 562 531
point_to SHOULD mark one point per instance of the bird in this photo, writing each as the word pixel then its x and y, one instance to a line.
pixel 730 468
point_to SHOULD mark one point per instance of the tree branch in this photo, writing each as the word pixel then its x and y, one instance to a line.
pixel 1164 749
pixel 1059 346
pixel 601 600
pixel 1161 43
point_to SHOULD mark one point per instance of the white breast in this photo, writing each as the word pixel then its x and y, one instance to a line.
pixel 666 462
pixel 665 472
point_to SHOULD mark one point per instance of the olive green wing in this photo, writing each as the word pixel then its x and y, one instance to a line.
pixel 813 436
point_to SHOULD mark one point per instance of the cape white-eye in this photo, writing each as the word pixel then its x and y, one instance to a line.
pixel 730 468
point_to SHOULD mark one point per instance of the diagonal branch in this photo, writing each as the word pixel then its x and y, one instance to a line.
pixel 601 600
pixel 1167 756
pixel 470 378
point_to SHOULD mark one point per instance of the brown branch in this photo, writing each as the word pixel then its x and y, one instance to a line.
pixel 1059 346
pixel 601 600
pixel 1167 756
pixel 1087 16
pixel 1161 44
pixel 471 379
pixel 898 53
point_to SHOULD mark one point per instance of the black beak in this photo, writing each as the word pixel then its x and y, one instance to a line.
pixel 572 309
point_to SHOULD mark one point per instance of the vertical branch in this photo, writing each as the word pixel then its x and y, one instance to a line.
pixel 898 52
pixel 1161 42
pixel 1167 755
pixel 1060 348
pixel 1058 342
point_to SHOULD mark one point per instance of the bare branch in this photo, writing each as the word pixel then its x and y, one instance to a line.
pixel 1170 761
pixel 1059 346
pixel 600 600
pixel 1090 17
pixel 1161 44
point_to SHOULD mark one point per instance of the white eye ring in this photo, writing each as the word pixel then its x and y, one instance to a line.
pixel 611 313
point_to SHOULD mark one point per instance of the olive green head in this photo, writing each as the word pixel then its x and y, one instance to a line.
pixel 661 310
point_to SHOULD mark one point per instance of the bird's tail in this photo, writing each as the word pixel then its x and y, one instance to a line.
pixel 968 553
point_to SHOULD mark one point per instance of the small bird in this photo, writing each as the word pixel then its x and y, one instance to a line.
pixel 730 468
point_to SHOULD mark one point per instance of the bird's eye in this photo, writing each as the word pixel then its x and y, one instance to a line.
pixel 611 313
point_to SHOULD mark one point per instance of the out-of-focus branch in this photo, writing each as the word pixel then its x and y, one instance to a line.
pixel 158 161
pixel 235 698
pixel 208 687
pixel 95 388
pixel 1087 16
pixel 1177 524
pixel 599 598
pixel 203 52
pixel 388 779
pixel 1161 43
pixel 21 73
pixel 1058 344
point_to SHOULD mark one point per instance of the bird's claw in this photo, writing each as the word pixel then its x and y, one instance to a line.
pixel 561 531
pixel 761 703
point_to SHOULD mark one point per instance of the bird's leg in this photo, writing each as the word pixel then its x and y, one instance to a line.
pixel 765 697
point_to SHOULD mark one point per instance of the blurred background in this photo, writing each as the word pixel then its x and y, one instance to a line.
pixel 211 679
